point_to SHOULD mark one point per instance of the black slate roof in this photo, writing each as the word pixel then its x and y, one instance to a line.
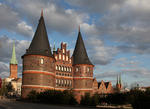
pixel 80 55
pixel 40 43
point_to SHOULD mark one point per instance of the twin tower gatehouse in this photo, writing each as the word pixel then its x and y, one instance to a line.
pixel 56 70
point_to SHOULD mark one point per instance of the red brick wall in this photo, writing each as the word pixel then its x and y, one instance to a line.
pixel 82 80
pixel 37 73
pixel 13 71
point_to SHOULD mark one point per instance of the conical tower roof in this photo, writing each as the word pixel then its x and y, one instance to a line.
pixel 80 55
pixel 40 43
pixel 13 58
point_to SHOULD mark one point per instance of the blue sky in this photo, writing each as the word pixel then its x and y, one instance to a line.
pixel 115 32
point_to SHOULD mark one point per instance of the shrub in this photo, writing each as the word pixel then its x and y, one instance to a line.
pixel 52 97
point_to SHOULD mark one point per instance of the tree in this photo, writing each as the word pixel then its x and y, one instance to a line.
pixel 9 87
pixel 3 90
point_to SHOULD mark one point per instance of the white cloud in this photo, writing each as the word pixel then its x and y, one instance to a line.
pixel 56 17
pixel 99 53
pixel 24 29
pixel 4 70
pixel 11 21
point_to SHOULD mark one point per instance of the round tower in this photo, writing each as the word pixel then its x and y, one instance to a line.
pixel 83 70
pixel 38 63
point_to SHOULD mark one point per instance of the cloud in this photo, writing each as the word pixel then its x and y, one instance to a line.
pixel 4 70
pixel 99 53
pixel 6 49
pixel 57 18
pixel 125 22
pixel 11 21
pixel 96 6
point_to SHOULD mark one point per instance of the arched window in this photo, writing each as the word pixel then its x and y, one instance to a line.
pixel 77 69
pixel 63 57
pixel 70 69
pixel 59 81
pixel 59 67
pixel 63 50
pixel 70 82
pixel 88 69
pixel 66 58
pixel 70 60
pixel 56 67
pixel 59 56
pixel 64 68
pixel 56 57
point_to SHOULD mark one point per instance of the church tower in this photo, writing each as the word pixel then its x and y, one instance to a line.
pixel 82 68
pixel 13 64
pixel 38 63
pixel 119 83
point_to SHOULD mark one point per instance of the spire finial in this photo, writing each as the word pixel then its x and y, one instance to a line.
pixel 42 12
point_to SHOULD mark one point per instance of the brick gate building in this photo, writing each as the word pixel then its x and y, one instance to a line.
pixel 43 69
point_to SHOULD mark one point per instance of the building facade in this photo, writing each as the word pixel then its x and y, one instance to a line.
pixel 58 70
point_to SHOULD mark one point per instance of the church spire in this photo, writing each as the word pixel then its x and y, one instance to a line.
pixel 120 81
pixel 80 55
pixel 40 43
pixel 13 58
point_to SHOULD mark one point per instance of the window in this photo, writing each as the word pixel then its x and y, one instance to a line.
pixel 56 81
pixel 56 57
pixel 70 69
pixel 63 51
pixel 66 58
pixel 59 56
pixel 56 67
pixel 64 68
pixel 63 57
pixel 77 69
pixel 42 61
pixel 70 82
pixel 88 69
pixel 70 60
pixel 59 67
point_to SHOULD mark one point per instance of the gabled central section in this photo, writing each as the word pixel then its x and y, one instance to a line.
pixel 40 44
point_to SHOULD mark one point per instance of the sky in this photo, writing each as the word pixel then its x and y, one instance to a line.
pixel 115 32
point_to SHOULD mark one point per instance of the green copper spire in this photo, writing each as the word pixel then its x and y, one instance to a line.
pixel 13 58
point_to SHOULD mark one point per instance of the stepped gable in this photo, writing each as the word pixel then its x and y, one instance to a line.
pixel 40 43
pixel 80 55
